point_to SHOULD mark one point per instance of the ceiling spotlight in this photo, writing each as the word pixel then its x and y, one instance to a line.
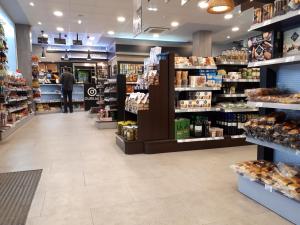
pixel 92 38
pixel 152 9
pixel 59 29
pixel 58 13
pixel 79 21
pixel 228 16
pixel 110 32
pixel 203 4
pixel 228 37
pixel 89 58
pixel 220 6
pixel 174 24
pixel 235 29
pixel 31 4
pixel 155 35
pixel 43 53
pixel 121 19
pixel 40 23
pixel 45 35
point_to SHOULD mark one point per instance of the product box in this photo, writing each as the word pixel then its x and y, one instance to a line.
pixel 291 42
pixel 182 128
pixel 203 95
pixel 260 47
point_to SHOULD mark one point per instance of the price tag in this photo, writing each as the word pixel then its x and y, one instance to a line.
pixel 268 188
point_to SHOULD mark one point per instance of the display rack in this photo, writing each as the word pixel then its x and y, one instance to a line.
pixel 276 73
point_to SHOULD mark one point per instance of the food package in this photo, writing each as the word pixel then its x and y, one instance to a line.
pixel 291 42
pixel 268 10
pixel 260 47
pixel 280 7
pixel 257 15
pixel 294 4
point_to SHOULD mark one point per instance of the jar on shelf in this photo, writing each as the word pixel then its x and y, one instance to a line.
pixel 268 10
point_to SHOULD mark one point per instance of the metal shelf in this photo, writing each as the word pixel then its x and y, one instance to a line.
pixel 232 95
pixel 189 88
pixel 17 109
pixel 233 64
pixel 131 83
pixel 271 145
pixel 274 105
pixel 212 109
pixel 283 60
pixel 179 67
pixel 241 81
pixel 50 93
pixel 238 110
pixel 284 22
pixel 199 139
pixel 238 136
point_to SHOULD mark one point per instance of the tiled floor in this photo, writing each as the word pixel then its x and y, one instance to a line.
pixel 87 180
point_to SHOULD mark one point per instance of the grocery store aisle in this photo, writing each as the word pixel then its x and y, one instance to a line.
pixel 87 180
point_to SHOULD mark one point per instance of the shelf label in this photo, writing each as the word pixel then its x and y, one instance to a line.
pixel 268 188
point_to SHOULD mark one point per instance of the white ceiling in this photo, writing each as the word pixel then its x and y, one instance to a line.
pixel 99 16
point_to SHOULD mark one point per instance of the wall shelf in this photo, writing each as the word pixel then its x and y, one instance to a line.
pixel 273 105
pixel 241 81
pixel 179 67
pixel 189 88
pixel 232 95
pixel 283 60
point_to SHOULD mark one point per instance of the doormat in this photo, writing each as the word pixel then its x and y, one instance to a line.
pixel 17 190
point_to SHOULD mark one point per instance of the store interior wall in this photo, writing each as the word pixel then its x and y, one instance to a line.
pixel 10 33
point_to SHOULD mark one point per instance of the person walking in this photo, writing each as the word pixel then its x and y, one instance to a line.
pixel 67 80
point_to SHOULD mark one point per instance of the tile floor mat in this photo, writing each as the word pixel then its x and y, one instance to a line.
pixel 17 190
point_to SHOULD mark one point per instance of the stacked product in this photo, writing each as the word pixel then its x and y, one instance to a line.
pixel 182 128
pixel 194 61
pixel 128 130
pixel 196 100
pixel 281 177
pixel 207 78
pixel 150 77
pixel 275 128
pixel 200 127
pixel 127 68
pixel 278 8
pixel 131 80
pixel 233 56
pixel 137 101
pixel 244 73
pixel 273 95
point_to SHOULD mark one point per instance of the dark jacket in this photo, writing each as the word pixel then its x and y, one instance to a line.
pixel 67 80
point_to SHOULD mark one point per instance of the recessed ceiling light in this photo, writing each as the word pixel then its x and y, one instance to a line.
pixel 60 29
pixel 228 37
pixel 228 16
pixel 155 35
pixel 92 38
pixel 249 30
pixel 152 9
pixel 235 29
pixel 121 19
pixel 203 4
pixel 174 24
pixel 45 35
pixel 111 32
pixel 39 23
pixel 58 13
pixel 79 21
pixel 31 4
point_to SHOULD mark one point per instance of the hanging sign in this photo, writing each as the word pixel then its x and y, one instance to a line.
pixel 137 17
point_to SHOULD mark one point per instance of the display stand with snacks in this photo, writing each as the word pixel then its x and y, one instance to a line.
pixel 274 179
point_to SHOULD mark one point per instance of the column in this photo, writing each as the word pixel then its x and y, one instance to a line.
pixel 202 43
pixel 24 50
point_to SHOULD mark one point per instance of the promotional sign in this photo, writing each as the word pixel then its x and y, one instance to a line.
pixel 90 96
pixel 137 17
pixel 291 42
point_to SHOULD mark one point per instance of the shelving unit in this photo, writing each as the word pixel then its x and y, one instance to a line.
pixel 274 73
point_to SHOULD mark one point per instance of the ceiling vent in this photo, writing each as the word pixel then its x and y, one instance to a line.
pixel 156 30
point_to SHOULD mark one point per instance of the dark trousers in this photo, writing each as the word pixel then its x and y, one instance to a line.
pixel 68 96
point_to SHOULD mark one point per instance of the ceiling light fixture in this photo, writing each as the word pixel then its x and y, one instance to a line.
pixel 58 13
pixel 110 32
pixel 89 58
pixel 228 37
pixel 31 4
pixel 174 24
pixel 45 35
pixel 220 6
pixel 155 35
pixel 40 23
pixel 43 53
pixel 228 16
pixel 235 29
pixel 152 9
pixel 121 19
pixel 203 4
pixel 79 21
pixel 60 29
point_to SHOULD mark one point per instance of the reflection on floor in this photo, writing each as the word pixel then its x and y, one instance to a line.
pixel 87 180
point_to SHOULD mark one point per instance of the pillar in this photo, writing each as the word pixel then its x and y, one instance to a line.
pixel 24 50
pixel 202 43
